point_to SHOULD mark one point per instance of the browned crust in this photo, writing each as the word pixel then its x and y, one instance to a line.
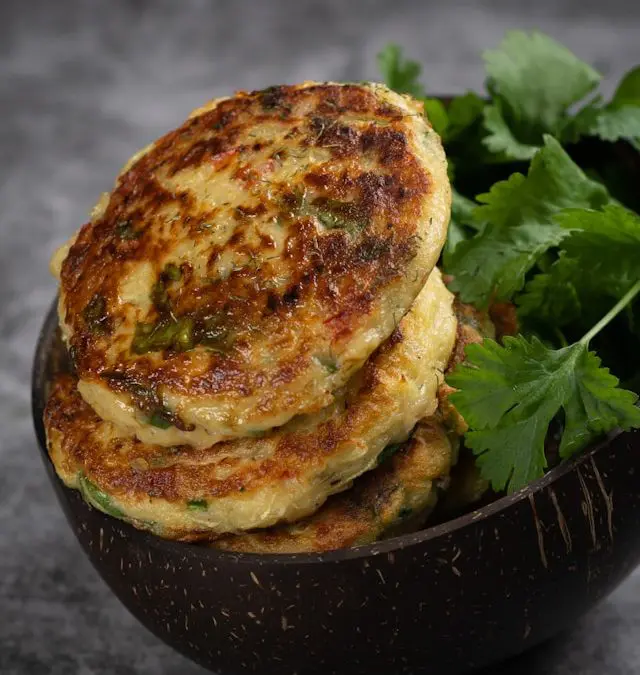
pixel 369 509
pixel 473 327
pixel 130 469
pixel 333 276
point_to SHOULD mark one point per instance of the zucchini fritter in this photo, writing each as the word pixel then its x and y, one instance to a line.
pixel 248 263
pixel 395 497
pixel 399 495
pixel 190 493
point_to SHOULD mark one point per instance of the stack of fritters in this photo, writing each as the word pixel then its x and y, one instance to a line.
pixel 255 320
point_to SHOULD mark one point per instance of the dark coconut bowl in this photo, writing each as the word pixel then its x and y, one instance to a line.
pixel 463 594
pixel 454 597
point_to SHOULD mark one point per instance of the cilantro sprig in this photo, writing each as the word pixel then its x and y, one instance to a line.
pixel 536 87
pixel 543 232
pixel 509 394
pixel 518 214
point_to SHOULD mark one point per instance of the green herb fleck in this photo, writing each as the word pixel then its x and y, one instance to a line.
pixel 332 214
pixel 159 295
pixel 328 362
pixel 197 505
pixel 97 498
pixel 165 334
pixel 126 231
pixel 172 271
pixel 160 419
pixel 388 452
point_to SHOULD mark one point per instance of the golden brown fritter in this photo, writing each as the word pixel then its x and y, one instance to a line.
pixel 246 264
pixel 190 493
pixel 395 497
pixel 400 494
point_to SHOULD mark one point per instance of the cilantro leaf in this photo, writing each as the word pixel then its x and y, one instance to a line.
pixel 551 297
pixel 463 112
pixel 628 91
pixel 620 118
pixel 536 80
pixel 596 405
pixel 400 74
pixel 437 115
pixel 509 394
pixel 610 123
pixel 519 213
pixel 492 265
pixel 606 247
pixel 599 261
pixel 500 139
pixel 461 224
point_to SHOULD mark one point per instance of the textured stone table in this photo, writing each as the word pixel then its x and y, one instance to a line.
pixel 82 85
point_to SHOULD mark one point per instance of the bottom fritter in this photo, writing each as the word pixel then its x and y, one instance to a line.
pixel 401 493
pixel 396 497
pixel 287 474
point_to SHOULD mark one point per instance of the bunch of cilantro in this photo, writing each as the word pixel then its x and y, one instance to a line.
pixel 542 217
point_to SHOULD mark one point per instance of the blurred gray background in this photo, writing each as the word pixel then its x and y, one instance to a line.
pixel 83 85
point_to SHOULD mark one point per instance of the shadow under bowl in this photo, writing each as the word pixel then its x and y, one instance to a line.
pixel 464 594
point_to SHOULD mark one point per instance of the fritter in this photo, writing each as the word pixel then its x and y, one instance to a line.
pixel 395 497
pixel 194 493
pixel 247 264
pixel 400 494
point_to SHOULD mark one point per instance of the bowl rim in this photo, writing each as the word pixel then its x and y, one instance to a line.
pixel 386 546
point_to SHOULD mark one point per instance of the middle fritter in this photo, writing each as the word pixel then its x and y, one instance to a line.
pixel 248 263
pixel 189 493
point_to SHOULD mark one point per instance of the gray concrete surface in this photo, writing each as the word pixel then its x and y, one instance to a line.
pixel 82 85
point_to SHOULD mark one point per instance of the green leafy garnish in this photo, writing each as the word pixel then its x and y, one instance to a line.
pixel 551 296
pixel 437 115
pixel 628 91
pixel 96 497
pixel 610 123
pixel 534 81
pixel 600 259
pixel 619 119
pixel 197 505
pixel 550 239
pixel 501 140
pixel 463 113
pixel 461 225
pixel 400 74
pixel 520 226
pixel 510 394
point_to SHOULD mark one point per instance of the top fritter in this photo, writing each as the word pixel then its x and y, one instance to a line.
pixel 247 263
